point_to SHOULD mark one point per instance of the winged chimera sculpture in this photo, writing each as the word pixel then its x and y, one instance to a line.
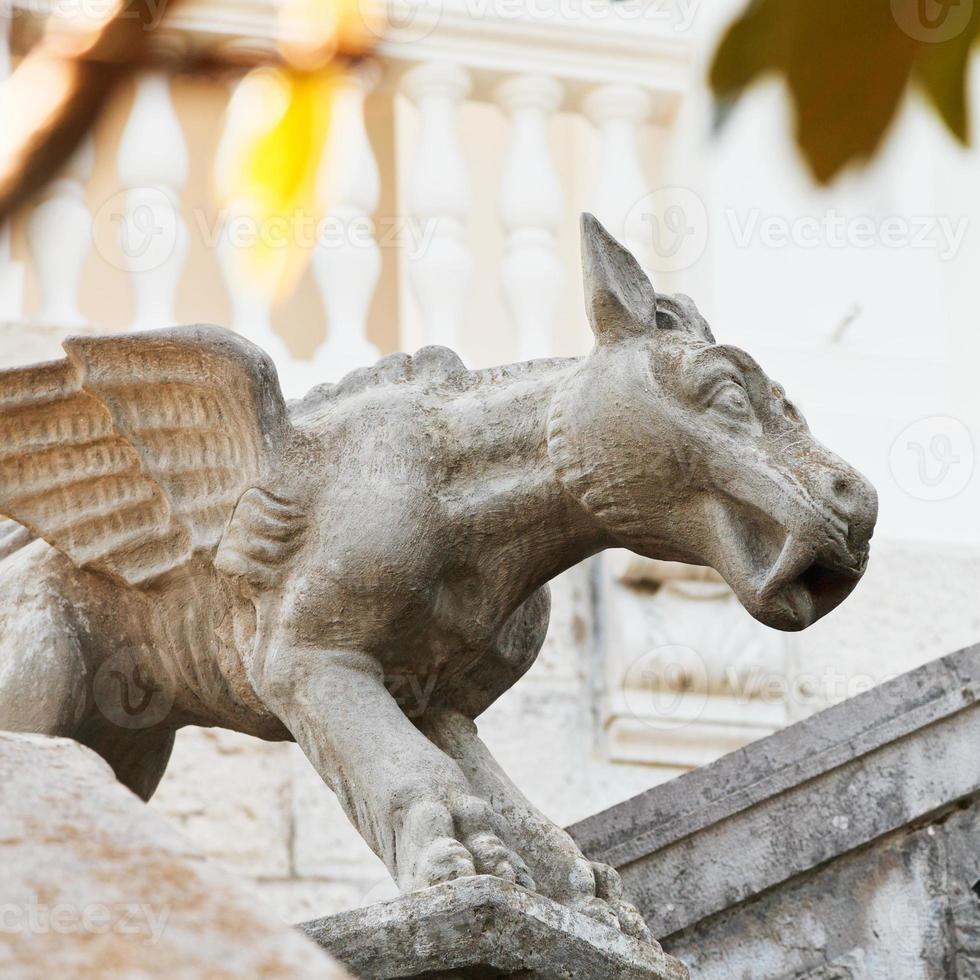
pixel 275 568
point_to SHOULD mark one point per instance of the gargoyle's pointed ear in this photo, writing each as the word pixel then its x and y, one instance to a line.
pixel 619 298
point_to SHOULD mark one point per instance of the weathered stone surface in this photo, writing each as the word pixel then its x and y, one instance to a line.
pixel 484 927
pixel 875 914
pixel 93 884
pixel 843 848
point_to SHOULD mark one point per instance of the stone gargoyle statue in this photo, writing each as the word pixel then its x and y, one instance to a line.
pixel 273 568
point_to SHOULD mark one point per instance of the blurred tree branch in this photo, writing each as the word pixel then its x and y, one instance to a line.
pixel 58 91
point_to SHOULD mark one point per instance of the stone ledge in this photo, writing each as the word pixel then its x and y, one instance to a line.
pixel 902 754
pixel 484 928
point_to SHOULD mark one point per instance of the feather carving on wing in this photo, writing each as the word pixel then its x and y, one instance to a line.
pixel 130 454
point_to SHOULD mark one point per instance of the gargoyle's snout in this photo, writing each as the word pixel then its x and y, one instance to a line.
pixel 820 564
pixel 792 563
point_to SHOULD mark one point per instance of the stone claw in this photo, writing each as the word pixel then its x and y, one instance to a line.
pixel 609 888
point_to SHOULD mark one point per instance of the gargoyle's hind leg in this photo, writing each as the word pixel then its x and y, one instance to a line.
pixel 45 685
pixel 42 673
pixel 555 861
pixel 408 799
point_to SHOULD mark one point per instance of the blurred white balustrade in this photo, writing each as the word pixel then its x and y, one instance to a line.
pixel 611 66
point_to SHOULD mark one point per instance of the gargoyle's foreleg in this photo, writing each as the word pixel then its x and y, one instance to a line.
pixel 558 866
pixel 407 798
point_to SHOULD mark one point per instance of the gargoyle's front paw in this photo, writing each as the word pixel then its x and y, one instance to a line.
pixel 441 842
pixel 609 891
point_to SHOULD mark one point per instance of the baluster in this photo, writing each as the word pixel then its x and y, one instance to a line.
pixel 618 112
pixel 59 236
pixel 347 259
pixel 530 205
pixel 251 307
pixel 439 201
pixel 11 273
pixel 153 169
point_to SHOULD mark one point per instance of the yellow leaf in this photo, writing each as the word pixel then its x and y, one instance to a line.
pixel 266 172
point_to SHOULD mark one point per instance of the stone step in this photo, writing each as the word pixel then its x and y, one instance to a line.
pixel 482 928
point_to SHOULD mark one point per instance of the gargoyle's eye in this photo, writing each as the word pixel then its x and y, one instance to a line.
pixel 792 412
pixel 730 397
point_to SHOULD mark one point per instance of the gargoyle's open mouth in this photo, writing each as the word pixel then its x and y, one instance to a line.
pixel 806 583
pixel 788 580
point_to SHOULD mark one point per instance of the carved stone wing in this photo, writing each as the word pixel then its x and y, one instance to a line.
pixel 130 454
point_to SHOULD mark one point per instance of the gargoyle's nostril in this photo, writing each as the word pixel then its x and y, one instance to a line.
pixel 840 496
pixel 853 500
pixel 848 495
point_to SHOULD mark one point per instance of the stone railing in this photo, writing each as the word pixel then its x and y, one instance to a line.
pixel 619 66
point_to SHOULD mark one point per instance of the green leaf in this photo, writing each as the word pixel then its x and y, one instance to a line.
pixel 757 42
pixel 941 72
pixel 848 70
pixel 847 64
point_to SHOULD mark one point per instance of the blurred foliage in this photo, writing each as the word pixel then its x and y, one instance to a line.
pixel 269 165
pixel 848 64
pixel 278 128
